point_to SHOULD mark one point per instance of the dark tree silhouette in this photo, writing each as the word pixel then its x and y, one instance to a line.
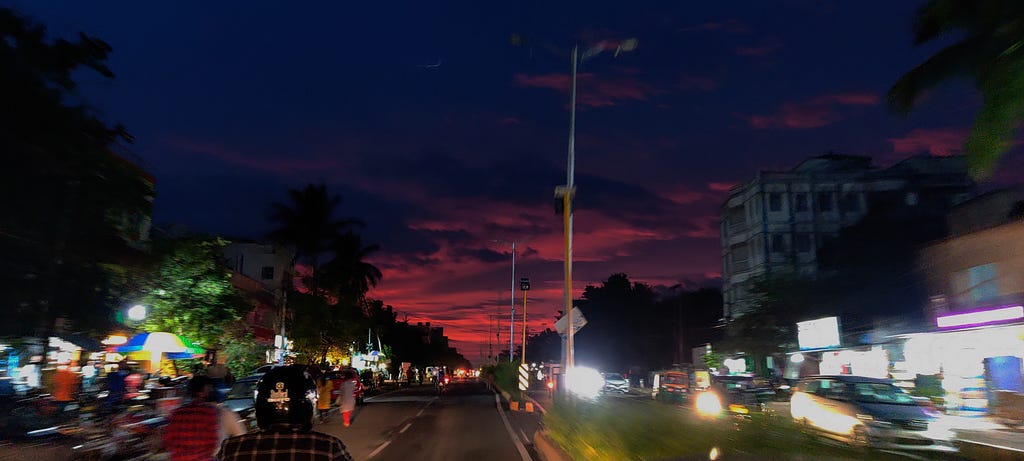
pixel 70 199
pixel 988 51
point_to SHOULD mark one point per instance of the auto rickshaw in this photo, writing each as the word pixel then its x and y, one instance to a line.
pixel 671 386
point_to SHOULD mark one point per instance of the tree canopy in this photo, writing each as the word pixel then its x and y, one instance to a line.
pixel 76 195
pixel 987 50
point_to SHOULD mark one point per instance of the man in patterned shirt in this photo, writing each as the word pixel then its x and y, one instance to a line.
pixel 285 404
pixel 196 429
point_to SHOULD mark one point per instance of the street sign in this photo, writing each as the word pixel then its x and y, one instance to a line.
pixel 524 377
pixel 524 284
pixel 578 321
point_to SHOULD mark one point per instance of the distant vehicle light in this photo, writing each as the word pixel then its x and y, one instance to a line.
pixel 584 382
pixel 708 404
pixel 551 385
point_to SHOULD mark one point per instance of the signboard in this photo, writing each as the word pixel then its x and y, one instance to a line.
pixel 818 334
pixel 578 321
pixel 524 284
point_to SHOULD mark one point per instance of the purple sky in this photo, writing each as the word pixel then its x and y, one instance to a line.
pixel 232 104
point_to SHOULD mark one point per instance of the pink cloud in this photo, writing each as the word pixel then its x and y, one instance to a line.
pixel 721 186
pixel 813 113
pixel 592 92
pixel 937 141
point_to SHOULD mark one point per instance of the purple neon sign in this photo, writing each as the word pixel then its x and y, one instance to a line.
pixel 980 317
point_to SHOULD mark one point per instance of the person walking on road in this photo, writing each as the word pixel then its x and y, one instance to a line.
pixel 323 402
pixel 285 407
pixel 196 429
pixel 347 401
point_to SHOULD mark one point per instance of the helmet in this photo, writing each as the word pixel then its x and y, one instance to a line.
pixel 285 398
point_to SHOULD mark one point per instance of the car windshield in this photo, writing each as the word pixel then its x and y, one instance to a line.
pixel 883 393
pixel 613 377
pixel 242 390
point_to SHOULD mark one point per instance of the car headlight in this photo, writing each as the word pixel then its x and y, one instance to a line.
pixel 708 404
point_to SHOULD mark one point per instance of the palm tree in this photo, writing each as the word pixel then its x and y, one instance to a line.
pixel 307 224
pixel 349 274
pixel 988 52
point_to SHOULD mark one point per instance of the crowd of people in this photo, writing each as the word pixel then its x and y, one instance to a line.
pixel 287 401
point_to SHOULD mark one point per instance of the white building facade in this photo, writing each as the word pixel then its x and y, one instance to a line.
pixel 778 220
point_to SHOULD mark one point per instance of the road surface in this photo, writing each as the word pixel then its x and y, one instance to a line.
pixel 467 422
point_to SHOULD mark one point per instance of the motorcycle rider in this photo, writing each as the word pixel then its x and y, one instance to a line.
pixel 286 399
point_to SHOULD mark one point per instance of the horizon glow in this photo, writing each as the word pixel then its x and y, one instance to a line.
pixel 981 317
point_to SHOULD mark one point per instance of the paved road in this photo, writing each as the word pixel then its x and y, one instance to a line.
pixel 466 423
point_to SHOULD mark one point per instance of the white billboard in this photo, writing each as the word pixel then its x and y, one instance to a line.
pixel 818 334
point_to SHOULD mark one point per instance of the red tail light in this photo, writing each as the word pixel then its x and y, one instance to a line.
pixel 447 380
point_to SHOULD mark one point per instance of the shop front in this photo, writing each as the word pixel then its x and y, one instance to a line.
pixel 965 366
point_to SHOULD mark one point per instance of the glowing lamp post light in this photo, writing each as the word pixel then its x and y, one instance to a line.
pixel 137 313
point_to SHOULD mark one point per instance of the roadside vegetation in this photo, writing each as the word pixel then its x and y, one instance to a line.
pixel 616 430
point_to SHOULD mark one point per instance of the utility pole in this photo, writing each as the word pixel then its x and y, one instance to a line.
pixel 524 284
pixel 512 318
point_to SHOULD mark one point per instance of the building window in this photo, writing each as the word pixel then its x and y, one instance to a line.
pixel 977 284
pixel 803 243
pixel 824 200
pixel 774 201
pixel 737 216
pixel 740 257
pixel 778 243
pixel 849 202
pixel 267 273
pixel 801 202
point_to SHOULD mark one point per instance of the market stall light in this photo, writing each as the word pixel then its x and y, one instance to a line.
pixel 980 317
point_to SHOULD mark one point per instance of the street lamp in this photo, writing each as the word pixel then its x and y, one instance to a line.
pixel 512 317
pixel 568 191
pixel 137 312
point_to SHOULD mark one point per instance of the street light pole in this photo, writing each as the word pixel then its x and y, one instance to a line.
pixel 512 318
pixel 570 190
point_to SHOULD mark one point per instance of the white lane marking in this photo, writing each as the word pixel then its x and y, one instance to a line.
pixel 378 450
pixel 407 426
pixel 525 455
pixel 525 438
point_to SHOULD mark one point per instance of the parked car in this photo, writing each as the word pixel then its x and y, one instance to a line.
pixel 868 412
pixel 241 399
pixel 614 382
pixel 743 393
pixel 337 377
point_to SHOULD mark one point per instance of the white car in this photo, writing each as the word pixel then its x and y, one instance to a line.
pixel 868 412
pixel 614 382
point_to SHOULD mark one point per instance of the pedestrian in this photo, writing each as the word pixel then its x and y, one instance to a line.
pixel 116 385
pixel 323 402
pixel 347 401
pixel 285 407
pixel 88 376
pixel 195 430
pixel 65 383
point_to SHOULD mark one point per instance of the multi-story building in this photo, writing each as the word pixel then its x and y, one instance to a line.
pixel 779 220
pixel 981 264
pixel 262 272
